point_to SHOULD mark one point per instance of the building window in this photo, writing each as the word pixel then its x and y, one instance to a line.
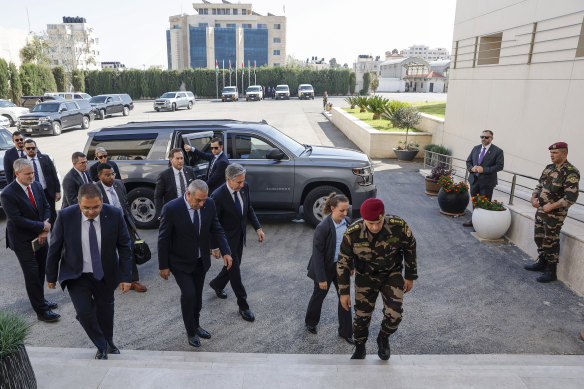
pixel 175 26
pixel 277 40
pixel 246 25
pixel 222 11
pixel 580 48
pixel 235 11
pixel 277 26
pixel 276 52
pixel 244 12
pixel 255 43
pixel 230 25
pixel 217 25
pixel 214 11
pixel 203 24
pixel 489 49
pixel 228 11
pixel 262 26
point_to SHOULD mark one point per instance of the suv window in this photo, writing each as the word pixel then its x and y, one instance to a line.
pixel 190 94
pixel 72 106
pixel 123 148
pixel 182 95
pixel 116 98
pixel 250 147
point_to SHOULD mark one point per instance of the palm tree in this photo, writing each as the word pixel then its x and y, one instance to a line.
pixel 376 105
pixel 362 103
pixel 352 100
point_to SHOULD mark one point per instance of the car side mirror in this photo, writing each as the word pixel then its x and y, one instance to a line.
pixel 62 110
pixel 274 153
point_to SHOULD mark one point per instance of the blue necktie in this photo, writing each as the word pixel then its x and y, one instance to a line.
pixel 237 203
pixel 94 250
pixel 21 153
pixel 481 158
pixel 36 170
pixel 196 225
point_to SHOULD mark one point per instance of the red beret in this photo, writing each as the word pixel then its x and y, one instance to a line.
pixel 558 145
pixel 371 209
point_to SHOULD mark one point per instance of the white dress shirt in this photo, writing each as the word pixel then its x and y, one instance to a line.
pixel 84 176
pixel 238 194
pixel 110 198
pixel 87 264
pixel 26 191
pixel 36 161
pixel 177 181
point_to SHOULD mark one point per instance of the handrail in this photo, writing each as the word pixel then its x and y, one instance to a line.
pixel 431 159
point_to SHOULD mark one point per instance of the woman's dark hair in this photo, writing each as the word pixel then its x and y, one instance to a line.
pixel 333 200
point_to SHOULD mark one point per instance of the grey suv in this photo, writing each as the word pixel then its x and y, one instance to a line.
pixel 284 176
pixel 175 100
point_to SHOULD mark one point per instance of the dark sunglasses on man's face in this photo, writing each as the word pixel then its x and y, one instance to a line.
pixel 18 139
pixel 485 137
pixel 214 148
pixel 31 148
pixel 102 156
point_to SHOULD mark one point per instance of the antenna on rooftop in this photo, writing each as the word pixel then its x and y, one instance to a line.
pixel 28 18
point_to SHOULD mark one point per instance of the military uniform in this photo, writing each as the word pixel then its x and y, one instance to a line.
pixel 556 184
pixel 378 261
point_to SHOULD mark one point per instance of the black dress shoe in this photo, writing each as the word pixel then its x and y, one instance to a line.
pixel 311 329
pixel 112 348
pixel 219 292
pixel 48 316
pixel 347 339
pixel 203 334
pixel 247 314
pixel 51 304
pixel 194 341
pixel 101 354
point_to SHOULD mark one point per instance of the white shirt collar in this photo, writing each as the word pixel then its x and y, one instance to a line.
pixel 176 171
pixel 22 186
pixel 85 218
pixel 218 155
pixel 343 222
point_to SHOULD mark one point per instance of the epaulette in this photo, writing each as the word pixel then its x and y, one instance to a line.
pixel 392 219
pixel 355 226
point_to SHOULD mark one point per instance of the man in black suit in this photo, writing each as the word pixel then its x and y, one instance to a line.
pixel 234 209
pixel 113 192
pixel 13 154
pixel 218 162
pixel 101 156
pixel 483 163
pixel 73 180
pixel 173 182
pixel 45 174
pixel 186 228
pixel 89 255
pixel 27 212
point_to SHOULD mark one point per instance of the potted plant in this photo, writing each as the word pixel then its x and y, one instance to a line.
pixel 406 117
pixel 452 197
pixel 432 185
pixel 376 105
pixel 490 219
pixel 361 102
pixel 15 368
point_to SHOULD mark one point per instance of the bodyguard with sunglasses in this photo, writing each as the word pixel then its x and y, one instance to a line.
pixel 101 156
pixel 483 163
pixel 13 154
pixel 218 162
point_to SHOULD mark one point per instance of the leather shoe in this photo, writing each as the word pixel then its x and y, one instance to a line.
pixel 219 292
pixel 203 334
pixel 347 339
pixel 247 314
pixel 468 223
pixel 194 341
pixel 138 287
pixel 101 354
pixel 48 316
pixel 51 304
pixel 112 348
pixel 311 329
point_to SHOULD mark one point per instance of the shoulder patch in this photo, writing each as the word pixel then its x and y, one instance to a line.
pixel 573 179
pixel 395 220
pixel 352 228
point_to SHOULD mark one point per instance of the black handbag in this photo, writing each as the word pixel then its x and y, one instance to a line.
pixel 140 250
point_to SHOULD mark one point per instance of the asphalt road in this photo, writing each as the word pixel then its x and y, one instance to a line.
pixel 471 297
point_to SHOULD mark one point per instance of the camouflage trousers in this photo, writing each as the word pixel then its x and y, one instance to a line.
pixel 367 288
pixel 547 233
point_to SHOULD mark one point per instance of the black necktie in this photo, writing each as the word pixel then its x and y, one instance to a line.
pixel 84 177
pixel 196 223
pixel 21 153
pixel 182 184
pixel 36 170
pixel 94 251
pixel 237 203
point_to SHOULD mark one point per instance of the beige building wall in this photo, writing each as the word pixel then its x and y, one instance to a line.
pixel 533 96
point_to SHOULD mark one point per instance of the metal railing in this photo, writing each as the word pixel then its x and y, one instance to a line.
pixel 516 181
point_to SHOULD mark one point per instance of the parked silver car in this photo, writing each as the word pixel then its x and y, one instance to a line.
pixel 174 100
pixel 11 111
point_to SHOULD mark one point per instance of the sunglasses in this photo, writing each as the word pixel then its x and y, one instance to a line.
pixel 102 157
pixel 214 148
pixel 31 148
pixel 18 139
pixel 485 137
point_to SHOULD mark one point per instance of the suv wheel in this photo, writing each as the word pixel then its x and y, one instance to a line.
pixel 85 123
pixel 102 114
pixel 173 107
pixel 126 111
pixel 190 106
pixel 56 128
pixel 142 207
pixel 314 202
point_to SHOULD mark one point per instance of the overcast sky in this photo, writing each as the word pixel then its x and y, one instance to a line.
pixel 133 32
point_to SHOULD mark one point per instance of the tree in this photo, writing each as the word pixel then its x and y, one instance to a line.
pixel 366 81
pixel 78 80
pixel 352 82
pixel 346 65
pixel 407 117
pixel 69 50
pixel 394 51
pixel 15 84
pixel 333 63
pixel 35 51
pixel 4 78
pixel 60 78
pixel 374 83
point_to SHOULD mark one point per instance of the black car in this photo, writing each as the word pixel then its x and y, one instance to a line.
pixel 5 144
pixel 53 117
pixel 106 105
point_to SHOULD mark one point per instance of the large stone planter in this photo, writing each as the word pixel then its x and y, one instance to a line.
pixel 405 155
pixel 491 224
pixel 16 371
pixel 453 204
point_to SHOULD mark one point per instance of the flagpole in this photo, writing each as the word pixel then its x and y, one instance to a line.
pixel 248 73
pixel 236 88
pixel 223 73
pixel 242 74
pixel 255 81
pixel 216 80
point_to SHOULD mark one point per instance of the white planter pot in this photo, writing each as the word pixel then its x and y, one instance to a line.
pixel 491 224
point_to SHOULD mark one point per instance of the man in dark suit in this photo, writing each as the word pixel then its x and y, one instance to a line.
pixel 483 163
pixel 45 174
pixel 89 255
pixel 218 162
pixel 27 212
pixel 234 209
pixel 73 180
pixel 101 156
pixel 186 227
pixel 173 182
pixel 113 192
pixel 13 154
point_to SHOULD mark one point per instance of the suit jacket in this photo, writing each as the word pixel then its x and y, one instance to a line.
pixel 215 175
pixel 65 258
pixel 50 173
pixel 234 223
pixel 123 198
pixel 9 157
pixel 93 170
pixel 322 266
pixel 493 162
pixel 165 190
pixel 178 244
pixel 71 184
pixel 24 223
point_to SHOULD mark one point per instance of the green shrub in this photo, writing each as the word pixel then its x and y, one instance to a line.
pixel 15 84
pixel 352 100
pixel 406 117
pixel 390 110
pixel 361 102
pixel 60 78
pixel 366 81
pixel 4 78
pixel 78 80
pixel 376 105
pixel 13 331
pixel 429 147
pixel 441 150
pixel 36 79
pixel 352 82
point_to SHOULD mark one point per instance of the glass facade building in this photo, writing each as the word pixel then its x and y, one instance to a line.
pixel 255 47
pixel 198 49
pixel 168 51
pixel 225 45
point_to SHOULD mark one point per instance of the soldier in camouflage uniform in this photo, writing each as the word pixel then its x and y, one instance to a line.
pixel 377 246
pixel 556 191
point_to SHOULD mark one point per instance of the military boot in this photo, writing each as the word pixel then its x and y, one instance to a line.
pixel 359 351
pixel 539 265
pixel 549 274
pixel 383 344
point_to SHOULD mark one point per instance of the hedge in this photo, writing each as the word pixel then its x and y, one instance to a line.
pixel 15 84
pixel 60 78
pixel 36 79
pixel 4 77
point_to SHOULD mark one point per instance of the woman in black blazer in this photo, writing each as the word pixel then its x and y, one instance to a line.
pixel 322 268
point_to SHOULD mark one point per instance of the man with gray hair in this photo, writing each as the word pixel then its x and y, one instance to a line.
pixel 27 212
pixel 187 225
pixel 101 157
pixel 234 209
